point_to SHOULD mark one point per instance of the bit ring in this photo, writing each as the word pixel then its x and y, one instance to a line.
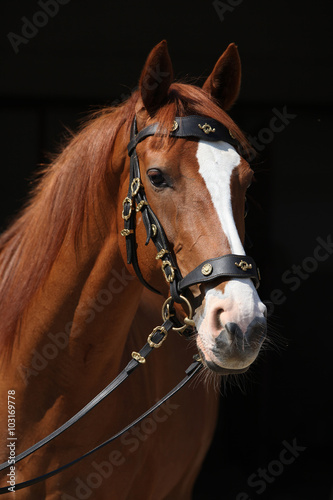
pixel 187 320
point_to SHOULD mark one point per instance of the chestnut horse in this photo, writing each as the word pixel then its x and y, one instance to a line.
pixel 73 310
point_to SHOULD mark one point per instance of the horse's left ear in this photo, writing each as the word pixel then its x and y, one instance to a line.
pixel 224 81
pixel 156 77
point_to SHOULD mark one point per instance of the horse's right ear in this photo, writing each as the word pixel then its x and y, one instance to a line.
pixel 156 77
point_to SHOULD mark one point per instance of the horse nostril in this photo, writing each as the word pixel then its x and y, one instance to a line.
pixel 235 335
pixel 253 336
pixel 218 320
pixel 233 329
pixel 230 334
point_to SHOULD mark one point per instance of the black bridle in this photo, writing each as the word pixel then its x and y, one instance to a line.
pixel 227 266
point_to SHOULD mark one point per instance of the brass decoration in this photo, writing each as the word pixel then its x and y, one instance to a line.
pixel 243 265
pixel 126 232
pixel 141 205
pixel 161 253
pixel 206 269
pixel 135 186
pixel 154 344
pixel 189 322
pixel 154 229
pixel 168 279
pixel 231 134
pixel 137 356
pixel 166 309
pixel 174 126
pixel 206 128
pixel 129 201
pixel 166 313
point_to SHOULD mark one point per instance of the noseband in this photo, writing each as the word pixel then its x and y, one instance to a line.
pixel 227 266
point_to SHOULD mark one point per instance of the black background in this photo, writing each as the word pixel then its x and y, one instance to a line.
pixel 91 53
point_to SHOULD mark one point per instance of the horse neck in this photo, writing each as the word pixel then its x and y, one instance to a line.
pixel 76 325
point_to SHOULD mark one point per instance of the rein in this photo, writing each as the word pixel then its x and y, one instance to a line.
pixel 154 341
pixel 226 266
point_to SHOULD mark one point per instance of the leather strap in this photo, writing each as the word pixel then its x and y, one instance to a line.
pixel 229 266
pixel 192 370
pixel 156 338
pixel 188 126
pixel 154 230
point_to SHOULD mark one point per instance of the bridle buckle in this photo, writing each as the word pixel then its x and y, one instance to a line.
pixel 126 201
pixel 135 186
pixel 168 277
pixel 156 345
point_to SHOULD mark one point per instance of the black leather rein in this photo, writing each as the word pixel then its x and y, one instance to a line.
pixel 155 340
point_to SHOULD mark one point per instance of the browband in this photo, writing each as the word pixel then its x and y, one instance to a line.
pixel 187 126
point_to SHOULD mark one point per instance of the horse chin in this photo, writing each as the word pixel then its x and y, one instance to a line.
pixel 222 364
pixel 219 369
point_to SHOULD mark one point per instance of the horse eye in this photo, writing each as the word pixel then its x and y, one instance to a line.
pixel 156 178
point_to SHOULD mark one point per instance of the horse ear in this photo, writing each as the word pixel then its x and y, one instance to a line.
pixel 156 77
pixel 224 81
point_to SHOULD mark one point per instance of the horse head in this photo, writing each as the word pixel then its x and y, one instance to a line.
pixel 191 171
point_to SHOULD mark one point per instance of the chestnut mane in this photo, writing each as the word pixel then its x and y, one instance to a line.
pixel 63 198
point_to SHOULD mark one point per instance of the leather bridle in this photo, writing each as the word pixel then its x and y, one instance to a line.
pixel 227 266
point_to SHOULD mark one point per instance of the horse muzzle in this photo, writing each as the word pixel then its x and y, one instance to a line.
pixel 231 328
pixel 233 350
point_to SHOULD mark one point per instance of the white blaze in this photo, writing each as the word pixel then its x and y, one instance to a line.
pixel 217 161
pixel 239 301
